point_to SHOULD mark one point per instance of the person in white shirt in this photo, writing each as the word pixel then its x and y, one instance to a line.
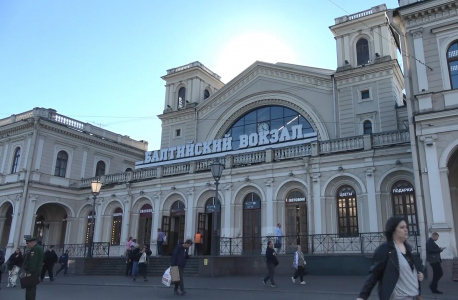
pixel 278 235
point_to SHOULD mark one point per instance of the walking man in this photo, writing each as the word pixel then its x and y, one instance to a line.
pixel 136 254
pixel 129 260
pixel 50 258
pixel 433 256
pixel 160 241
pixel 198 244
pixel 179 258
pixel 33 264
pixel 63 260
pixel 278 235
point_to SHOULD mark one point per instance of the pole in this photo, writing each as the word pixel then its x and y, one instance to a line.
pixel 91 231
pixel 215 223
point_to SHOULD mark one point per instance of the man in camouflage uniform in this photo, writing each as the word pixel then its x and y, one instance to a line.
pixel 33 263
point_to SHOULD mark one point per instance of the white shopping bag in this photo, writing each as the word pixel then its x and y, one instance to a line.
pixel 167 278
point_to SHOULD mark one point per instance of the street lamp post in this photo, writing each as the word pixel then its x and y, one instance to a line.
pixel 217 170
pixel 96 185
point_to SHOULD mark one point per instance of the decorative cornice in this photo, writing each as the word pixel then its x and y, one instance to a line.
pixel 423 14
pixel 417 33
pixel 428 139
pixel 190 191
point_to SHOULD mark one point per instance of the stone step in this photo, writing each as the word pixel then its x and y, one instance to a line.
pixel 455 270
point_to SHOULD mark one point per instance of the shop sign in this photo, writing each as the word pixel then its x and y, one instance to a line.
pixel 403 190
pixel 212 208
pixel 178 211
pixel 146 211
pixel 293 200
pixel 347 194
pixel 217 148
pixel 252 204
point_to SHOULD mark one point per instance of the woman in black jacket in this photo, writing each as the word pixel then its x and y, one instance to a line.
pixel 394 267
pixel 14 266
pixel 272 262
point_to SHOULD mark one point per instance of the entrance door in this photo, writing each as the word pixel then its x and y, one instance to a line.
pixel 145 224
pixel 210 208
pixel 166 229
pixel 296 222
pixel 177 224
pixel 252 240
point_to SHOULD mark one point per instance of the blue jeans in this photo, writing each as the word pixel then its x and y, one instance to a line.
pixel 135 269
pixel 159 247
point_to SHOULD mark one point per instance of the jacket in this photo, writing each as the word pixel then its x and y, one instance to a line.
pixel 385 271
pixel 179 256
pixel 433 252
pixel 33 261
pixel 129 256
pixel 270 257
pixel 15 261
pixel 63 260
pixel 136 254
pixel 50 257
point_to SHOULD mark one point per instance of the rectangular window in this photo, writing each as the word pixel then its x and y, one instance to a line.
pixel 178 133
pixel 365 94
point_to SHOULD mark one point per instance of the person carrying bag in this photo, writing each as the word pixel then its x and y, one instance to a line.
pixel 299 264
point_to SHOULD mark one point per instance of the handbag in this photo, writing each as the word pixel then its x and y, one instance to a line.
pixel 175 272
pixel 29 281
pixel 277 245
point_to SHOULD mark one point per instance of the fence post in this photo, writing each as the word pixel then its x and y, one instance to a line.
pixel 313 243
pixel 230 246
pixel 362 242
pixel 109 244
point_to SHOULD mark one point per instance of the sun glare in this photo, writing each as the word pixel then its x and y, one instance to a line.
pixel 242 51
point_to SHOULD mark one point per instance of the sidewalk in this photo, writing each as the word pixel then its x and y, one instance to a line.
pixel 315 284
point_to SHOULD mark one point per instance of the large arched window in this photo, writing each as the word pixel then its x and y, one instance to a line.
pixel 362 52
pixel 181 97
pixel 206 94
pixel 16 159
pixel 116 227
pixel 347 212
pixel 61 164
pixel 367 127
pixel 452 62
pixel 267 118
pixel 403 196
pixel 100 168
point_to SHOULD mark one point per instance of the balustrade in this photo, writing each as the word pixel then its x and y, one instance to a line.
pixel 292 152
pixel 360 14
pixel 340 145
pixel 249 158
pixel 176 169
pixel 390 138
pixel 145 174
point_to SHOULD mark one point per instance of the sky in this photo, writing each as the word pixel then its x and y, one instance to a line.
pixel 101 62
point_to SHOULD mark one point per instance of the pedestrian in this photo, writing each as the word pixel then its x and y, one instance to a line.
pixel 33 264
pixel 136 254
pixel 129 242
pixel 433 256
pixel 50 258
pixel 14 266
pixel 63 260
pixel 2 261
pixel 143 263
pixel 299 265
pixel 129 260
pixel 278 237
pixel 272 262
pixel 134 243
pixel 198 244
pixel 394 268
pixel 179 258
pixel 160 241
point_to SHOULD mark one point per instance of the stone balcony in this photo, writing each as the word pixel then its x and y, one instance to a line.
pixel 358 143
pixel 361 14
pixel 53 116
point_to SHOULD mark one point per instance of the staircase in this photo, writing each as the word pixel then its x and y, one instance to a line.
pixel 455 270
pixel 117 266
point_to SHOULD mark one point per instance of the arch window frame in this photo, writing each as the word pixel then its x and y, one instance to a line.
pixel 98 168
pixel 256 119
pixel 368 129
pixel 207 94
pixel 452 60
pixel 362 51
pixel 88 224
pixel 402 203
pixel 116 227
pixel 15 163
pixel 181 97
pixel 60 169
pixel 347 220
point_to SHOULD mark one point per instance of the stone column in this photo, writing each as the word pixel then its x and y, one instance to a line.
pixel 71 231
pixel 126 220
pixel 227 210
pixel 420 55
pixel 5 154
pixel 84 163
pixel 41 143
pixel 316 203
pixel 189 213
pixel 156 222
pixel 30 215
pixel 29 140
pixel 14 228
pixel 435 187
pixel 371 201
pixel 270 229
pixel 98 222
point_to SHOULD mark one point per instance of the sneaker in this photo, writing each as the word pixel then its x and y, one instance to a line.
pixel 294 280
pixel 303 282
pixel 273 285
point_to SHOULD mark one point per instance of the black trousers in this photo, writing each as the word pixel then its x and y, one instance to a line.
pixel 271 269
pixel 437 275
pixel 181 283
pixel 31 293
pixel 142 269
pixel 129 268
pixel 299 273
pixel 49 268
pixel 63 267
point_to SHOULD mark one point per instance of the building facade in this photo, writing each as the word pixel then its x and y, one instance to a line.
pixel 325 153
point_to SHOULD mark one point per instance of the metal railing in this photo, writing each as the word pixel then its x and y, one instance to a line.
pixel 315 244
pixel 99 249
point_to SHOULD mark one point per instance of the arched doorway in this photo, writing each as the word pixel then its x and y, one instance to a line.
pixel 51 224
pixel 252 240
pixel 347 212
pixel 404 205
pixel 296 222
pixel 173 226
pixel 6 217
pixel 205 224
pixel 116 227
pixel 145 224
